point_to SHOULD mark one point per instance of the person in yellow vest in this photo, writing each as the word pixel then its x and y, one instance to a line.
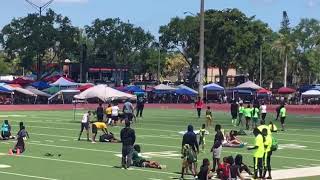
pixel 273 127
pixel 258 153
pixel 263 126
pixel 283 115
pixel 267 153
pixel 108 113
pixel 98 125
pixel 255 116
pixel 248 114
pixel 209 117
pixel 240 114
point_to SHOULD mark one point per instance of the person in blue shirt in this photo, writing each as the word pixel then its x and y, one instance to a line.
pixel 6 130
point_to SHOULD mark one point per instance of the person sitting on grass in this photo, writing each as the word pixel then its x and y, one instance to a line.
pixel 223 169
pixel 6 130
pixel 242 166
pixel 232 140
pixel 109 137
pixel 95 127
pixel 139 161
pixel 20 145
pixel 205 173
pixel 21 126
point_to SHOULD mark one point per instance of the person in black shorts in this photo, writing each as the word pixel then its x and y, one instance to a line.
pixel 234 112
pixel 99 112
pixel 85 124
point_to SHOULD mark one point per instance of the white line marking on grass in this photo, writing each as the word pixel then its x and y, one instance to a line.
pixel 154 179
pixel 288 167
pixel 304 166
pixel 296 173
pixel 49 141
pixel 24 175
pixel 35 141
pixel 2 166
pixel 64 140
pixel 92 164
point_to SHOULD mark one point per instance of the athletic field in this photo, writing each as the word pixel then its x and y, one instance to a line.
pixel 56 132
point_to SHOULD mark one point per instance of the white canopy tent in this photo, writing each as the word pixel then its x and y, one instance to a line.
pixel 248 85
pixel 37 92
pixel 104 93
pixel 20 90
pixel 63 94
pixel 311 93
pixel 163 87
pixel 62 82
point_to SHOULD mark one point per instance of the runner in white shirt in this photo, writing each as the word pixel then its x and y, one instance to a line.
pixel 85 124
pixel 115 114
pixel 263 110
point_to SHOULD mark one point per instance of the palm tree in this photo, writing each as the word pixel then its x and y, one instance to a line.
pixel 284 45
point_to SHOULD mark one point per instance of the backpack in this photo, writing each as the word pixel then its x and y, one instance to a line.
pixel 274 145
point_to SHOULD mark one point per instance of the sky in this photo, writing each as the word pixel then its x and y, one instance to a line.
pixel 151 14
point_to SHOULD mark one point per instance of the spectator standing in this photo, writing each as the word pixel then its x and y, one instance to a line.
pixel 199 105
pixel 128 138
pixel 128 110
pixel 140 105
pixel 99 112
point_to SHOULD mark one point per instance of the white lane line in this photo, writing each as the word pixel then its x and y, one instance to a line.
pixel 92 164
pixel 288 167
pixel 50 141
pixel 28 176
pixel 35 141
pixel 296 173
pixel 64 140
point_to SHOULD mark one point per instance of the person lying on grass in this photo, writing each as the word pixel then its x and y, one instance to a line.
pixel 109 137
pixel 20 145
pixel 139 161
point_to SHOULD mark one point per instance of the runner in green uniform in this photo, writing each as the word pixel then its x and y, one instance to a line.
pixel 241 111
pixel 283 115
pixel 255 116
pixel 248 115
pixel 258 153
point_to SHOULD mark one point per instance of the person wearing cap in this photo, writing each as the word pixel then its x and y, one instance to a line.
pixel 128 138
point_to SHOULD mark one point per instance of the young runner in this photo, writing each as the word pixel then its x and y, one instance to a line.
pixel 283 115
pixel 202 139
pixel 98 125
pixel 258 153
pixel 20 145
pixel 217 147
pixel 139 161
pixel 267 153
pixel 248 114
pixel 199 106
pixel 209 117
pixel 85 124
pixel 109 113
pixel 115 114
pixel 255 116
pixel 234 112
pixel 263 110
pixel 204 173
pixel 240 115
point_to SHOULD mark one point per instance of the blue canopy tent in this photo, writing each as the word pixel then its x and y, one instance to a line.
pixel 213 87
pixel 134 89
pixel 5 90
pixel 41 85
pixel 181 86
pixel 182 91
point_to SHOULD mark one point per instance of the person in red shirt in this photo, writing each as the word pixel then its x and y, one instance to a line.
pixel 199 105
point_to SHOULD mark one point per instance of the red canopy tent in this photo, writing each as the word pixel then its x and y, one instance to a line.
pixel 263 91
pixel 84 87
pixel 21 81
pixel 56 77
pixel 286 90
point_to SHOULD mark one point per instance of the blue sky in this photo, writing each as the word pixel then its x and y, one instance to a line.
pixel 150 14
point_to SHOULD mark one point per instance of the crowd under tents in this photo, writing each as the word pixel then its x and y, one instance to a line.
pixel 249 85
pixel 311 93
pixel 133 90
pixel 103 93
pixel 63 96
pixel 286 90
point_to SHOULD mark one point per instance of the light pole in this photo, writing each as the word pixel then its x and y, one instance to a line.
pixel 159 56
pixel 260 78
pixel 201 49
pixel 39 8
